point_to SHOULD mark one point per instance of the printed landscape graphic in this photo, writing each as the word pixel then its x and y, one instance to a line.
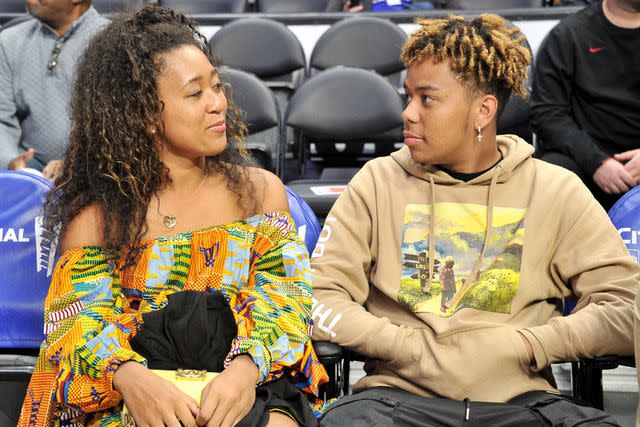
pixel 459 235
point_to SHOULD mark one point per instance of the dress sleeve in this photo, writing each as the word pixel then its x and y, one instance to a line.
pixel 274 308
pixel 87 325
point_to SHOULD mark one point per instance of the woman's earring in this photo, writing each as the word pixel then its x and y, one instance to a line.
pixel 154 130
pixel 479 134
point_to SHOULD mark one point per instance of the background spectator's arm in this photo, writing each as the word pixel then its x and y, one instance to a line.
pixel 10 131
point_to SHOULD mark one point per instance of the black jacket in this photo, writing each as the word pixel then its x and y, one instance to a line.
pixel 586 89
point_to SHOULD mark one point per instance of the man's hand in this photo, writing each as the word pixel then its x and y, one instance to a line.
pixel 230 395
pixel 613 178
pixel 631 160
pixel 151 400
pixel 21 161
pixel 52 170
pixel 346 7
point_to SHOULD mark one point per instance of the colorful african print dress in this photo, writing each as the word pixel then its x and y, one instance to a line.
pixel 94 307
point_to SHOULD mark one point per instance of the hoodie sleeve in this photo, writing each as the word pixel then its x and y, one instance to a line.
pixel 341 264
pixel 551 114
pixel 593 260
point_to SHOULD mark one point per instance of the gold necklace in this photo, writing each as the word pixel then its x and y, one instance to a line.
pixel 170 221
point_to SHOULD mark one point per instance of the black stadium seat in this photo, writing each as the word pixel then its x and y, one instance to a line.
pixel 360 42
pixel 13 6
pixel 262 115
pixel 341 105
pixel 113 6
pixel 250 45
pixel 263 47
pixel 493 4
pixel 206 6
pixel 515 117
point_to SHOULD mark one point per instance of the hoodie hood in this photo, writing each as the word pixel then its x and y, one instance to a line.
pixel 514 149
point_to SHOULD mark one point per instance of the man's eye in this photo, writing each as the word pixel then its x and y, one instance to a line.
pixel 196 94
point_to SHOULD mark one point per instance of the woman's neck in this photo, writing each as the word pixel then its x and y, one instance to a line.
pixel 185 176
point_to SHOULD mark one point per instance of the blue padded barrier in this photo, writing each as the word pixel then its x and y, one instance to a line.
pixel 306 221
pixel 625 216
pixel 27 259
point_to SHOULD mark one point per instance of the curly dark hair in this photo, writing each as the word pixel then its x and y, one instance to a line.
pixel 111 160
pixel 486 53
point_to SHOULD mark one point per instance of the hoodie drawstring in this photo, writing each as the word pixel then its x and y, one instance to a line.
pixel 432 229
pixel 432 232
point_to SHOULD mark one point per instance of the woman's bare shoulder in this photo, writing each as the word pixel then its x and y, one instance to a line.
pixel 85 229
pixel 274 196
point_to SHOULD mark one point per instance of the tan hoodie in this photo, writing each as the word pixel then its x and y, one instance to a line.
pixel 440 316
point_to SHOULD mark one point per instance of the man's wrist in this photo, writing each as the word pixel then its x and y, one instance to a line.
pixel 606 159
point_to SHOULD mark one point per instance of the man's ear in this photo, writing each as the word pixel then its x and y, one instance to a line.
pixel 487 110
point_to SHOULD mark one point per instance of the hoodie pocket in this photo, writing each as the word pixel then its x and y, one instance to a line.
pixel 484 364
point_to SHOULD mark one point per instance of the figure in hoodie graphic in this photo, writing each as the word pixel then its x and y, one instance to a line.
pixel 448 282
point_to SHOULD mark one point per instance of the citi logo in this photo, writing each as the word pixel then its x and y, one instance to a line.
pixel 629 236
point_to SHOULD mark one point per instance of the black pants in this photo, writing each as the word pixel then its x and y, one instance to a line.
pixel 386 406
pixel 559 159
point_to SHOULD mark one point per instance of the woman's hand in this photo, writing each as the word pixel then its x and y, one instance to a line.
pixel 230 395
pixel 151 400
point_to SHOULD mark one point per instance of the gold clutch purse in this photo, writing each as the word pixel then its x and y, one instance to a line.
pixel 189 381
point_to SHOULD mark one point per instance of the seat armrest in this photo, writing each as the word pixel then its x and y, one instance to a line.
pixel 328 350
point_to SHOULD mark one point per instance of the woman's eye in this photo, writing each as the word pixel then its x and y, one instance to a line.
pixel 218 87
pixel 406 99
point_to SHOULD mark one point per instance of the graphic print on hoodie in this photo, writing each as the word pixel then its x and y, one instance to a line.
pixel 459 231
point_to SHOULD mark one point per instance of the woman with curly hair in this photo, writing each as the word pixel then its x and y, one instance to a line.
pixel 157 198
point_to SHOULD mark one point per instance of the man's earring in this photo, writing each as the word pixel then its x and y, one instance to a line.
pixel 479 134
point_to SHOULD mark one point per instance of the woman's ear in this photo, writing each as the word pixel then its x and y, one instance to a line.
pixel 154 128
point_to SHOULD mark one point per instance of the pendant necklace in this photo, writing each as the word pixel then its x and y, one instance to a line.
pixel 170 221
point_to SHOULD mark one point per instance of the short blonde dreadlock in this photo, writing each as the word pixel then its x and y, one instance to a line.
pixel 485 53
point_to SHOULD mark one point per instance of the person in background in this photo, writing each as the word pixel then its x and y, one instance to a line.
pixel 37 66
pixel 354 6
pixel 524 235
pixel 153 205
pixel 585 104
